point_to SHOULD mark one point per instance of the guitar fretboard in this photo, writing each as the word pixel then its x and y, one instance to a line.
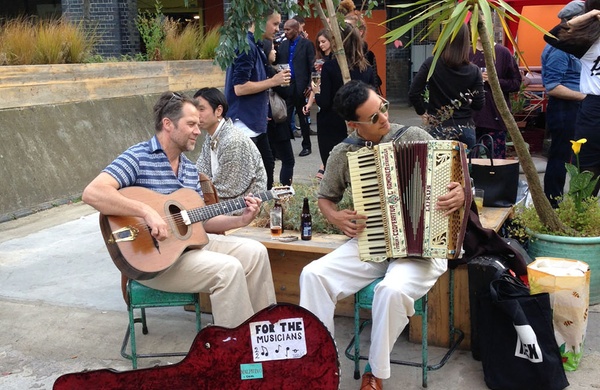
pixel 228 206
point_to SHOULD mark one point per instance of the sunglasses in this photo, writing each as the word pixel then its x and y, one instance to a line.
pixel 373 119
pixel 174 97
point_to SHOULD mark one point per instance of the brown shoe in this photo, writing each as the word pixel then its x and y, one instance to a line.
pixel 370 382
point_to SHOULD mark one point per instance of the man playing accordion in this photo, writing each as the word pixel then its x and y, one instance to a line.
pixel 341 273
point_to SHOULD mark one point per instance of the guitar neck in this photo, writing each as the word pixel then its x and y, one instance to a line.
pixel 207 212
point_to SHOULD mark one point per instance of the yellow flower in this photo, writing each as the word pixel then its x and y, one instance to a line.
pixel 576 145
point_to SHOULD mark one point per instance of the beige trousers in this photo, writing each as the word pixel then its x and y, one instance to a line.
pixel 235 271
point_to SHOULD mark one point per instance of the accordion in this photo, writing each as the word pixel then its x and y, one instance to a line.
pixel 396 185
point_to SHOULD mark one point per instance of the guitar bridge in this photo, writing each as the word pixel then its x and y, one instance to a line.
pixel 127 233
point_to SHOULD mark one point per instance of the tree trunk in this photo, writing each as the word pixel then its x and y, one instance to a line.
pixel 338 48
pixel 542 206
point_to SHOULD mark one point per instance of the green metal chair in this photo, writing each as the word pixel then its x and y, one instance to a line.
pixel 364 300
pixel 141 297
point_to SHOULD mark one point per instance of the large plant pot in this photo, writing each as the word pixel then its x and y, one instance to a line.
pixel 586 249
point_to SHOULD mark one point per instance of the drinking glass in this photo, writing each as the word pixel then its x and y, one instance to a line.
pixel 478 196
pixel 284 67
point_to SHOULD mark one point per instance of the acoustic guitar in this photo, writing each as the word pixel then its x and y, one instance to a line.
pixel 283 346
pixel 138 255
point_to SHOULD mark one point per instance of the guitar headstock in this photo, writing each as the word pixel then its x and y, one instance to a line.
pixel 282 192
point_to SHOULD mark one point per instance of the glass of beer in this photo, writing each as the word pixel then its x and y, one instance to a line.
pixel 478 196
pixel 316 79
pixel 284 67
pixel 276 222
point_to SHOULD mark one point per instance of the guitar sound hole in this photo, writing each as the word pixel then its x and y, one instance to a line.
pixel 179 226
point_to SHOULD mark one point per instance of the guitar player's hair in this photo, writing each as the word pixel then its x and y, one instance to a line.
pixel 170 105
pixel 214 97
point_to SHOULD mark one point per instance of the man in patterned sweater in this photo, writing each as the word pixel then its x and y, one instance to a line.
pixel 228 157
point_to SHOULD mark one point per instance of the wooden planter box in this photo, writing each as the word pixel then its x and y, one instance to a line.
pixel 33 85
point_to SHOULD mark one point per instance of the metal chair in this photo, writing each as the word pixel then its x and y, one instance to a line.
pixel 141 297
pixel 364 300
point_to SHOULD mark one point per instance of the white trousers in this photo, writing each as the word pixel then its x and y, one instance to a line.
pixel 235 271
pixel 340 274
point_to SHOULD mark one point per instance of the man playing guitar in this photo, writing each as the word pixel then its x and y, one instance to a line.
pixel 234 271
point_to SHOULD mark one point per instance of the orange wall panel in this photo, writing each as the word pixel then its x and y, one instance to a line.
pixel 530 40
pixel 374 33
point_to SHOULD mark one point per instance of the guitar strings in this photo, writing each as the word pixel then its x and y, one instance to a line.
pixel 175 218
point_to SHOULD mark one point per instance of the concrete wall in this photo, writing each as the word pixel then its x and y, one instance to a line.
pixel 49 152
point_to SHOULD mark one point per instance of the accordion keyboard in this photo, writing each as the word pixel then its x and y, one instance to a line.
pixel 366 197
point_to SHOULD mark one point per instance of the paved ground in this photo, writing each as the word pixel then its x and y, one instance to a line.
pixel 61 309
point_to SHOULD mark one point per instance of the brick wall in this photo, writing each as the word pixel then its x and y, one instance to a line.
pixel 113 22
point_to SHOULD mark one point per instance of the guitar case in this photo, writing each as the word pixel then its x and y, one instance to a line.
pixel 283 346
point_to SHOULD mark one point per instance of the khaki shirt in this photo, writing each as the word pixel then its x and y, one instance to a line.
pixel 337 174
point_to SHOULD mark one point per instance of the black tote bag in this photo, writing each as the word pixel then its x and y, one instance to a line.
pixel 499 178
pixel 518 348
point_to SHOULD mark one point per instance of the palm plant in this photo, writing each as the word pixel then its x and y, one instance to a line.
pixel 450 16
pixel 447 14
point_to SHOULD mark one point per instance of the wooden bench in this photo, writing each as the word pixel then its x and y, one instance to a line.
pixel 439 310
pixel 288 259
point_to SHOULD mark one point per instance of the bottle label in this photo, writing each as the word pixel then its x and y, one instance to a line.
pixel 307 230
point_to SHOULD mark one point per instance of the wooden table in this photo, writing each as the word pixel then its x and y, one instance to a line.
pixel 288 259
pixel 438 298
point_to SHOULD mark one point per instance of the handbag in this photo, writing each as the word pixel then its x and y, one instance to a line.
pixel 499 178
pixel 518 348
pixel 278 107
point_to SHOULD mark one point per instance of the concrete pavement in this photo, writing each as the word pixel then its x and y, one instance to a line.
pixel 61 309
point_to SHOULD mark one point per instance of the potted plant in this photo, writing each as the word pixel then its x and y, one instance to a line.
pixel 579 211
pixel 478 14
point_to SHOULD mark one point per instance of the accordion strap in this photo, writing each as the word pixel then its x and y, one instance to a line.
pixel 370 144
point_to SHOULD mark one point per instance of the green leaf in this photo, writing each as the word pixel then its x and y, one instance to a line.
pixel 571 169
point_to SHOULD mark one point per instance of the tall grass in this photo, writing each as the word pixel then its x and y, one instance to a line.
pixel 29 42
pixel 182 45
pixel 17 42
pixel 209 43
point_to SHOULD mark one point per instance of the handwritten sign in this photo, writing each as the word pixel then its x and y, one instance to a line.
pixel 285 339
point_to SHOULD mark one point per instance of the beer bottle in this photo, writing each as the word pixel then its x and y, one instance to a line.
pixel 305 222
pixel 276 220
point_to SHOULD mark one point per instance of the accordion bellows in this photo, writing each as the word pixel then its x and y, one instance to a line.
pixel 396 185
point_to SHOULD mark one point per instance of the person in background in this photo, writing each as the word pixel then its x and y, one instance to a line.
pixel 323 54
pixel 560 75
pixel 302 23
pixel 303 34
pixel 235 271
pixel 580 36
pixel 299 54
pixel 228 157
pixel 455 91
pixel 341 273
pixel 488 120
pixel 280 134
pixel 333 126
pixel 356 19
pixel 246 90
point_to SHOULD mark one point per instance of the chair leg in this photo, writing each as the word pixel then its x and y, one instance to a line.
pixel 424 343
pixel 356 342
pixel 132 336
pixel 197 309
pixel 144 324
